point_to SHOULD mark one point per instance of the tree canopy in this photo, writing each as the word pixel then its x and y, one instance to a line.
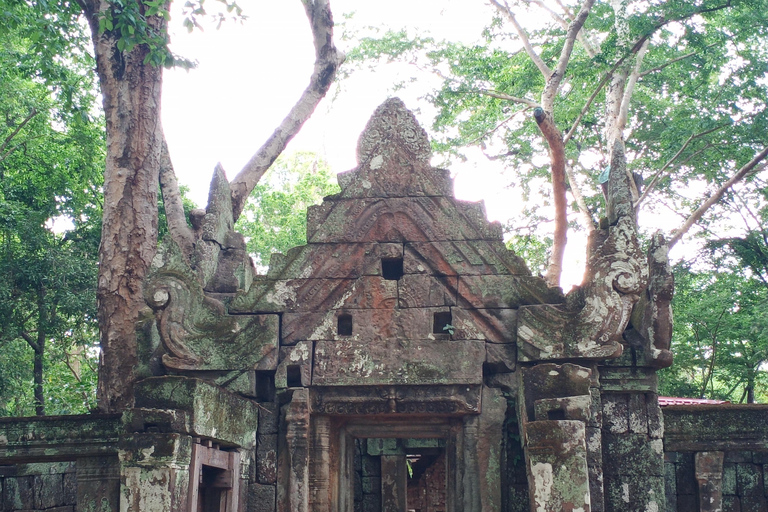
pixel 550 87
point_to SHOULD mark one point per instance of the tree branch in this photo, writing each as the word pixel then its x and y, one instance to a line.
pixel 741 174
pixel 556 78
pixel 502 96
pixel 29 339
pixel 174 206
pixel 659 174
pixel 327 61
pixel 557 158
pixel 670 62
pixel 586 216
pixel 15 132
pixel 504 9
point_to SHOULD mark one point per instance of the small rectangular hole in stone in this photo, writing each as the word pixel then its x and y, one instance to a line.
pixel 265 386
pixel 293 376
pixel 345 325
pixel 557 414
pixel 442 323
pixel 392 268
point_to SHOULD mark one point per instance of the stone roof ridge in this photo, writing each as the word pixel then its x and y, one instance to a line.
pixel 393 155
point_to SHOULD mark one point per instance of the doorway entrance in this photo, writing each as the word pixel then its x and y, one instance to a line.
pixel 400 474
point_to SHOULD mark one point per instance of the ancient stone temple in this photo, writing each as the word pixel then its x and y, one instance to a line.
pixel 402 360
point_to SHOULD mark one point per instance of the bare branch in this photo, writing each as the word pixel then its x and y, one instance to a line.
pixel 15 132
pixel 660 173
pixel 557 158
pixel 174 207
pixel 741 174
pixel 586 216
pixel 505 10
pixel 554 80
pixel 629 89
pixel 502 96
pixel 670 62
pixel 327 61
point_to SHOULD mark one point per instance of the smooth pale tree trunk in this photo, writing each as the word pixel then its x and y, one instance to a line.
pixel 131 96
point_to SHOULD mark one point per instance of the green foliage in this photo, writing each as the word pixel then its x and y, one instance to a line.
pixel 274 219
pixel 704 70
pixel 720 338
pixel 51 159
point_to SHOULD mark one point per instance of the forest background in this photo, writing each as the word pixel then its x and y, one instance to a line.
pixel 694 117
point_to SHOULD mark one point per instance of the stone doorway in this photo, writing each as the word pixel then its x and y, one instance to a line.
pixel 370 459
pixel 394 474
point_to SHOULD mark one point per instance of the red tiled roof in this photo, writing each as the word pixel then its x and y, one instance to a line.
pixel 669 400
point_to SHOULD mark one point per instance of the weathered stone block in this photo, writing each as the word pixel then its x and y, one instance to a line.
pixel 550 380
pixel 738 456
pixel 266 459
pixel 558 476
pixel 616 413
pixel 729 478
pixel 397 361
pixel 632 455
pixel 269 416
pixel 494 325
pixel 459 257
pixel 501 358
pixel 634 494
pixel 371 484
pixel 749 487
pixel 566 408
pixel 295 368
pixel 500 291
pixel 213 412
pixel 261 498
pixel 638 416
pixel 19 493
pixel 426 291
pixel 730 504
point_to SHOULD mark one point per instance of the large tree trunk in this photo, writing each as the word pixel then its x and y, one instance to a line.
pixel 131 95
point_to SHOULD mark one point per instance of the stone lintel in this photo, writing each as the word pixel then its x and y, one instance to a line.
pixel 721 427
pixel 398 361
pixel 452 400
pixel 57 438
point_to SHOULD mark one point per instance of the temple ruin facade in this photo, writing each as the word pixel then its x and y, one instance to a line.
pixel 402 360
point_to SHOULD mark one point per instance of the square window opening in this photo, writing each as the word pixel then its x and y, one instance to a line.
pixel 392 268
pixel 442 323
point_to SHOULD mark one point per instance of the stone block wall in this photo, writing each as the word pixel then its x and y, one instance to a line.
pixel 744 481
pixel 48 486
pixel 716 458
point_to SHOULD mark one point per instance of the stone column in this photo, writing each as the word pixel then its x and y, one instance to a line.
pixel 709 476
pixel 293 455
pixel 320 469
pixel 394 483
pixel 154 472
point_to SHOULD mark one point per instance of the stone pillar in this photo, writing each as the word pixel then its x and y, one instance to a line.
pixel 293 455
pixel 154 472
pixel 394 483
pixel 98 481
pixel 632 440
pixel 320 468
pixel 709 476
pixel 558 477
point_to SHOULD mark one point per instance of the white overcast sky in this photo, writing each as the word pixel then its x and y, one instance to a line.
pixel 250 74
